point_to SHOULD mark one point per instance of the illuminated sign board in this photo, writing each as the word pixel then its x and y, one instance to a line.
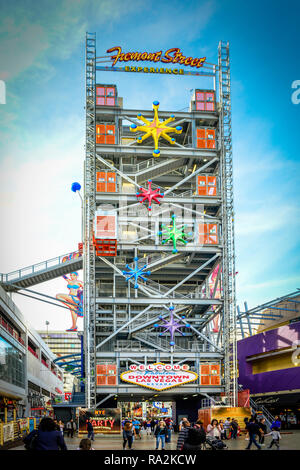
pixel 104 420
pixel 171 56
pixel 159 376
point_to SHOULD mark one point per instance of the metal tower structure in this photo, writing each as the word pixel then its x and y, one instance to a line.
pixel 89 206
pixel 120 314
pixel 229 310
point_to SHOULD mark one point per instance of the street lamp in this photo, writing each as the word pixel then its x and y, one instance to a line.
pixel 47 324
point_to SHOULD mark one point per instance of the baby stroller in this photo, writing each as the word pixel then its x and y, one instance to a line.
pixel 215 444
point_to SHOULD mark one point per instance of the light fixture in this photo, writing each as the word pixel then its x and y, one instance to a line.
pixel 195 395
pixel 185 398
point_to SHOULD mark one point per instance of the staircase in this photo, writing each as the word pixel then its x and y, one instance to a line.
pixel 150 169
pixel 263 410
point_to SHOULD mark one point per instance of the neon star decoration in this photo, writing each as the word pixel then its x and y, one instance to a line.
pixel 149 195
pixel 156 129
pixel 173 234
pixel 136 273
pixel 171 326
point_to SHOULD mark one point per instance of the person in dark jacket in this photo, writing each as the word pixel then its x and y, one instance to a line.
pixel 46 437
pixel 234 425
pixel 253 430
pixel 90 430
pixel 195 437
pixel 263 431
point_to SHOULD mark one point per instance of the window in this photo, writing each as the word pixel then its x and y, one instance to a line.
pixel 12 364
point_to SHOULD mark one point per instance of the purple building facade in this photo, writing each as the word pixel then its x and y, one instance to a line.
pixel 275 340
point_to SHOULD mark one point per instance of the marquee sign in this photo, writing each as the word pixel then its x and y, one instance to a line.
pixel 159 376
pixel 171 56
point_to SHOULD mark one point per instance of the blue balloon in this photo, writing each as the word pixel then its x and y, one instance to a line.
pixel 75 187
pixel 156 103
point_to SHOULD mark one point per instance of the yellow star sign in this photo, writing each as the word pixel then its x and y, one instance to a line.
pixel 156 129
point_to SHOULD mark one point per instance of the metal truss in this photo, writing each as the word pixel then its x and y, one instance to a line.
pixel 228 274
pixel 89 206
pixel 272 310
pixel 119 320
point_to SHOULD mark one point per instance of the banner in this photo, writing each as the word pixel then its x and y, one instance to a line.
pixel 8 432
pixel 104 420
pixel 161 377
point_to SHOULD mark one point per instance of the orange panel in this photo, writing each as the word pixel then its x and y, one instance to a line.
pixel 100 128
pixel 202 191
pixel 110 91
pixel 205 380
pixel 200 96
pixel 201 134
pixel 209 96
pixel 111 182
pixel 100 139
pixel 200 106
pixel 110 129
pixel 212 229
pixel 110 101
pixel 101 182
pixel 201 180
pixel 204 369
pixel 101 369
pixel 215 380
pixel 101 379
pixel 112 369
pixel 211 134
pixel 210 144
pixel 100 91
pixel 211 180
pixel 215 369
pixel 201 144
pixel 110 139
pixel 211 191
pixel 212 240
pixel 209 106
pixel 111 380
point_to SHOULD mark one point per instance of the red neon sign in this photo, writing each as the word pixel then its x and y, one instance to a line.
pixel 171 56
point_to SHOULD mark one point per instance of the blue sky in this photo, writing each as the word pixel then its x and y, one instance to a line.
pixel 42 123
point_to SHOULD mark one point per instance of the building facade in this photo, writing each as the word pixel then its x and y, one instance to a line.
pixel 186 242
pixel 67 348
pixel 29 378
pixel 269 363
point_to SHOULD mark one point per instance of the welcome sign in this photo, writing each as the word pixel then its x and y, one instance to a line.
pixel 160 376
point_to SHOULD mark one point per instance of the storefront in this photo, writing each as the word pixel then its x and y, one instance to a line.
pixel 146 410
pixel 285 405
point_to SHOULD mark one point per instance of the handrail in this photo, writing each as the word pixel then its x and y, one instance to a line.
pixel 35 268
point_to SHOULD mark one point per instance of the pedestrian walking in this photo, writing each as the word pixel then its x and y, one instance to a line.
pixel 226 428
pixel 85 444
pixel 71 428
pixel 160 434
pixel 61 426
pixel 90 430
pixel 234 425
pixel 128 433
pixel 148 427
pixel 263 431
pixel 253 429
pixel 275 437
pixel 169 425
pixel 195 437
pixel 137 428
pixel 152 425
pixel 182 435
pixel 46 437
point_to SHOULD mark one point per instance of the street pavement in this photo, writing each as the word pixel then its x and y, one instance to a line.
pixel 290 441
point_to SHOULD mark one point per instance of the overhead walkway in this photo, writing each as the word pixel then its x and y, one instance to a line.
pixel 41 272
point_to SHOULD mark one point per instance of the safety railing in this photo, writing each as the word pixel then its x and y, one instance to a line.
pixel 39 267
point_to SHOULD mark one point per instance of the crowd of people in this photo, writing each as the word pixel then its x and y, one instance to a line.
pixel 191 436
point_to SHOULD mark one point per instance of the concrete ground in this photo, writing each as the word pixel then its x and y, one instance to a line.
pixel 289 441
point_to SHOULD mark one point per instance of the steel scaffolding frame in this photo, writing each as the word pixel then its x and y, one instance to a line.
pixel 89 206
pixel 122 305
pixel 229 311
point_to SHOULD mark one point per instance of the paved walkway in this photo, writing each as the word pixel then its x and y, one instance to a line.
pixel 288 442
